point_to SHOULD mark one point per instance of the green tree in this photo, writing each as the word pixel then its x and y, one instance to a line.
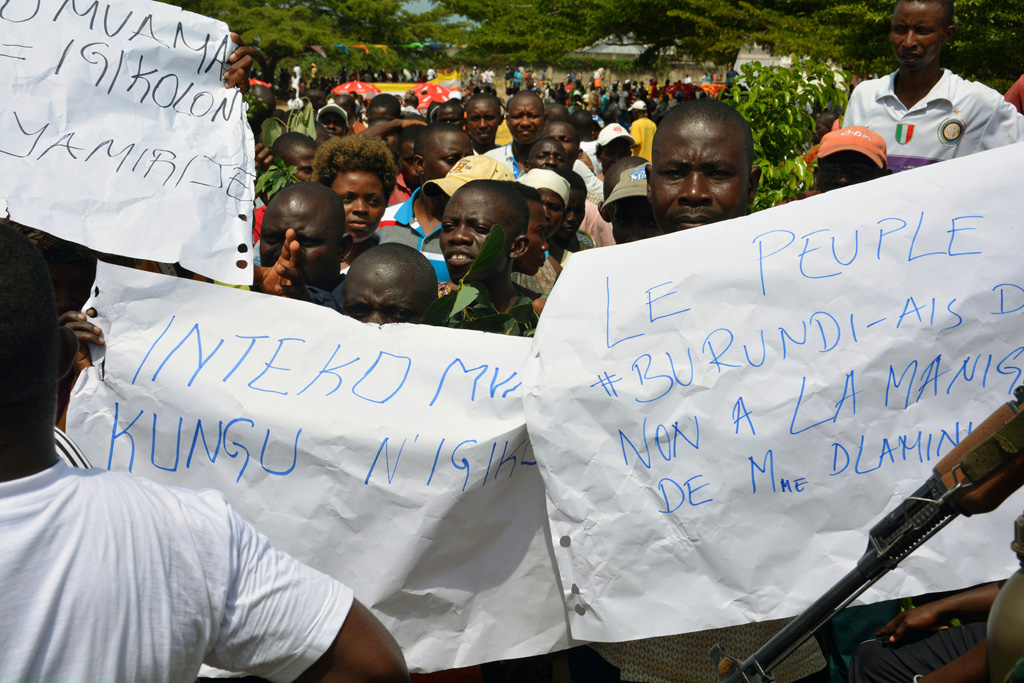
pixel 283 30
pixel 776 105
pixel 852 34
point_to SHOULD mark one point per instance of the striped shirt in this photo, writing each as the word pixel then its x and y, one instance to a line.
pixel 69 451
pixel 399 224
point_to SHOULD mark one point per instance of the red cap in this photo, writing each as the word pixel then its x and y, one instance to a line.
pixel 854 139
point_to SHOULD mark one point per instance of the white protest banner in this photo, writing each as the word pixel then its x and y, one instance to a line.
pixel 118 132
pixel 720 415
pixel 393 458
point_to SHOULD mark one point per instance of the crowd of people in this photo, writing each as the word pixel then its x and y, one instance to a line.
pixel 388 208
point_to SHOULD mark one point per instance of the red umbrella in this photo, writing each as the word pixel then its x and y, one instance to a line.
pixel 253 81
pixel 356 87
pixel 431 92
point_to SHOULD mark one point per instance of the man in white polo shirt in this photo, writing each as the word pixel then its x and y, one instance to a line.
pixel 924 113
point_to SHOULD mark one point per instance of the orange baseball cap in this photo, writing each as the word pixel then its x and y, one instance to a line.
pixel 854 139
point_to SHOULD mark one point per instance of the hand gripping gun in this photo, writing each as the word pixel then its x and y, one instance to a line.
pixel 974 478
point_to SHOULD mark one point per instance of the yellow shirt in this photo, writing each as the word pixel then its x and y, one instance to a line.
pixel 503 135
pixel 643 133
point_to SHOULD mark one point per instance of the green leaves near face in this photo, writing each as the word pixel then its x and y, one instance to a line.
pixel 469 307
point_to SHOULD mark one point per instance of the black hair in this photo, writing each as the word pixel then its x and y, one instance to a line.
pixel 507 201
pixel 488 97
pixel 355 153
pixel 527 94
pixel 452 104
pixel 391 105
pixel 29 340
pixel 410 133
pixel 559 110
pixel 547 139
pixel 582 120
pixel 429 133
pixel 574 179
pixel 946 5
pixel 396 256
pixel 530 194
pixel 566 123
pixel 316 191
pixel 709 111
pixel 290 143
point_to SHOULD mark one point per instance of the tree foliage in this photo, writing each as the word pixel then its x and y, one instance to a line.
pixel 283 30
pixel 469 306
pixel 777 103
pixel 851 34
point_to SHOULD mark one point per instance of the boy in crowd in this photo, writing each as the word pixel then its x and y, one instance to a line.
pixel 468 218
pixel 438 147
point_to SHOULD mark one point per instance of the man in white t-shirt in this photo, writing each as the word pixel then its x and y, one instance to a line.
pixel 924 113
pixel 109 577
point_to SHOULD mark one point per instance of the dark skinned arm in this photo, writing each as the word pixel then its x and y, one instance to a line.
pixel 972 603
pixel 362 652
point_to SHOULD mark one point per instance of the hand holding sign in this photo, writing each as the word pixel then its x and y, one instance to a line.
pixel 237 74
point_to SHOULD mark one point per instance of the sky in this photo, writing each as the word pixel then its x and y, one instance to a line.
pixel 418 6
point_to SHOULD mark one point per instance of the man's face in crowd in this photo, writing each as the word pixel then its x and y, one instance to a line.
pixel 533 258
pixel 363 195
pixel 700 174
pixel 320 241
pixel 302 160
pixel 334 123
pixel 71 284
pixel 468 219
pixel 482 120
pixel 918 33
pixel 384 295
pixel 546 154
pixel 406 157
pixel 844 168
pixel 822 126
pixel 614 151
pixel 554 209
pixel 525 118
pixel 567 135
pixel 575 212
pixel 632 219
pixel 447 147
pixel 451 112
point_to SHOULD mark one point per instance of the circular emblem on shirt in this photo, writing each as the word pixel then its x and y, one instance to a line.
pixel 951 131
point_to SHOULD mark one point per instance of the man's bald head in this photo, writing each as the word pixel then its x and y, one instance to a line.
pixel 317 215
pixel 391 283
pixel 525 96
pixel 707 113
pixel 557 112
pixel 384 105
pixel 583 121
